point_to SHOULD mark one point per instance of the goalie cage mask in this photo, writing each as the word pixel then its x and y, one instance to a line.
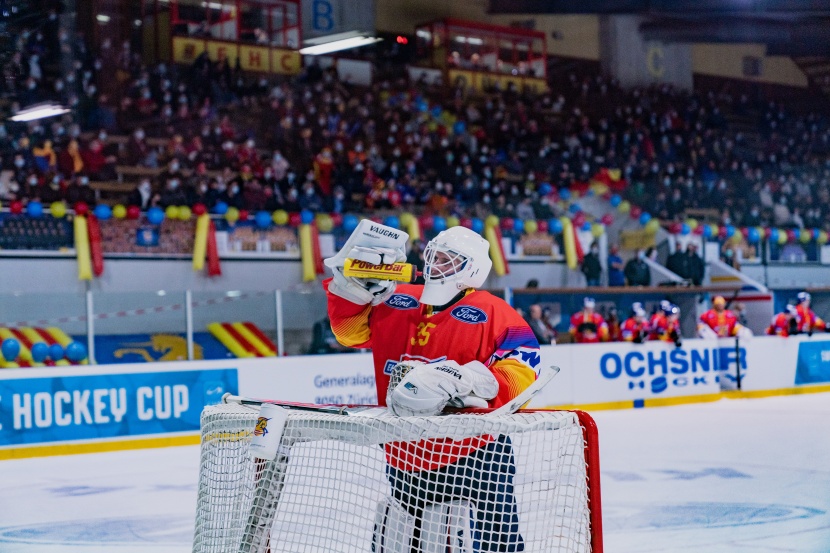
pixel 457 259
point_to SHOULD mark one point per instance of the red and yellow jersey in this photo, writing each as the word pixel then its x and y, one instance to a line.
pixel 479 327
pixel 781 325
pixel 807 320
pixel 588 328
pixel 631 329
pixel 663 329
pixel 724 323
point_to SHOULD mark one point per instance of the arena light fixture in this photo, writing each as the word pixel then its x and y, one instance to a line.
pixel 337 42
pixel 39 111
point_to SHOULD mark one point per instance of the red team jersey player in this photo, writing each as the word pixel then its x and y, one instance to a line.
pixel 467 348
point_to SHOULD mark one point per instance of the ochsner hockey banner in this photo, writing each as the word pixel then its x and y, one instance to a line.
pixel 82 407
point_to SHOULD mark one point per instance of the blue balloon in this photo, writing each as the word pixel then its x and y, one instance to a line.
pixel 350 223
pixel 155 215
pixel 392 221
pixel 645 218
pixel 615 200
pixel 306 216
pixel 574 208
pixel 459 128
pixel 40 351
pixel 436 111
pixel 730 231
pixel 478 225
pixel 262 219
pixel 555 226
pixel 220 208
pixel 75 352
pixel 56 352
pixel 586 226
pixel 35 209
pixel 707 231
pixel 423 107
pixel 103 212
pixel 518 225
pixel 816 233
pixel 753 236
pixel 439 224
pixel 10 348
pixel 773 235
pixel 565 194
pixel 545 188
pixel 685 229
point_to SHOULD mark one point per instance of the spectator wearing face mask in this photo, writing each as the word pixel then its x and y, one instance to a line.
pixel 591 266
pixel 233 196
pixel 142 195
pixel 637 272
pixel 173 194
pixel 97 165
pixel 79 191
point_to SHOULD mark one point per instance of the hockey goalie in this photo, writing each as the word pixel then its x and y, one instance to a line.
pixel 438 345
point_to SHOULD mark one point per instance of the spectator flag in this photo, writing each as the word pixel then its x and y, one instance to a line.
pixel 82 248
pixel 573 249
pixel 95 247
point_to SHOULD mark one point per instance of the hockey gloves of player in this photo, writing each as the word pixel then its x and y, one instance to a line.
pixel 426 390
pixel 361 291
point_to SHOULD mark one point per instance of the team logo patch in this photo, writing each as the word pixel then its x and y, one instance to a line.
pixel 469 314
pixel 261 428
pixel 402 301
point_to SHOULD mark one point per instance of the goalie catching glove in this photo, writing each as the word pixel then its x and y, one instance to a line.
pixel 425 390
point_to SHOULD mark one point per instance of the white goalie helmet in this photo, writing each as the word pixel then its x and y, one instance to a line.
pixel 457 259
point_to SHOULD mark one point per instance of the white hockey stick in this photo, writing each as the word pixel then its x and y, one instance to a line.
pixel 546 374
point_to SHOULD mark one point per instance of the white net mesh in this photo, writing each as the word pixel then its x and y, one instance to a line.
pixel 344 483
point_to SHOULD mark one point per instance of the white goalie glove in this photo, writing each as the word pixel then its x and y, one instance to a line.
pixel 373 243
pixel 425 390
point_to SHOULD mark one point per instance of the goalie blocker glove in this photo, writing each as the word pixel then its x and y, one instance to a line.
pixel 361 291
pixel 427 389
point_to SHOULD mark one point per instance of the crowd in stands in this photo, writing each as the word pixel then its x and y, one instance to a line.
pixel 207 133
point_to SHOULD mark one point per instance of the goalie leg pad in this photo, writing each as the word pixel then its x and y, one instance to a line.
pixel 394 528
pixel 450 528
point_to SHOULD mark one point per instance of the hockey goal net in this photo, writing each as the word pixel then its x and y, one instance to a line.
pixel 522 482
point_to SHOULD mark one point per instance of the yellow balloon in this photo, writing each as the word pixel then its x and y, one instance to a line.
pixel 624 207
pixel 598 230
pixel 119 211
pixel 324 222
pixel 452 221
pixel 805 236
pixel 652 226
pixel 822 238
pixel 406 219
pixel 185 213
pixel 58 209
pixel 232 215
pixel 172 212
pixel 692 223
pixel 782 237
pixel 280 217
pixel 491 221
pixel 715 229
pixel 531 226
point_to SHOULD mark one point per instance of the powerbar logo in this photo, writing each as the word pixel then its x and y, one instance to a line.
pixel 452 371
pixel 679 368
pixel 394 267
pixel 384 232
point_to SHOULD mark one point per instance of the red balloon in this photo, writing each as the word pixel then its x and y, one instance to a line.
pixel 791 236
pixel 579 219
pixel 243 214
pixel 542 225
pixel 607 219
pixel 745 232
pixel 336 219
pixel 722 232
pixel 466 222
pixel 768 232
pixel 16 207
pixel 426 222
pixel 635 212
pixel 199 209
pixel 133 212
pixel 81 208
pixel 675 228
pixel 698 230
pixel 294 219
pixel 506 223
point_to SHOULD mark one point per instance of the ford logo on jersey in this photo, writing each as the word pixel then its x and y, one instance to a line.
pixel 402 301
pixel 469 314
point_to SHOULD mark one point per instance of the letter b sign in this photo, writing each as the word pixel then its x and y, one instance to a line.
pixel 323 12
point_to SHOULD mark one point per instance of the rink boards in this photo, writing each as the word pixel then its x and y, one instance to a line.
pixel 52 411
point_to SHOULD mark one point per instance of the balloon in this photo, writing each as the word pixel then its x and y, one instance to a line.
pixel 392 221
pixel 16 207
pixel 103 212
pixel 707 231
pixel 730 231
pixel 815 232
pixel 133 212
pixel 615 200
pixel 753 236
pixel 119 211
pixel 607 219
pixel 745 232
pixel 10 348
pixel 199 209
pixel 574 208
pixel 405 220
pixel 56 352
pixel 452 221
pixel 542 225
pixel 220 208
pixel 243 215
pixel 491 221
pixel 75 352
pixel 506 223
pixel 565 194
pixel 477 225
pixel 35 209
pixel 58 209
pixel 531 226
pixel 699 229
pixel 822 238
pixel 81 208
pixel 40 351
pixel 805 236
pixel 652 226
pixel 773 235
pixel 280 217
pixel 324 222
pixel 336 219
pixel 349 222
pixel 427 222
pixel 155 215
pixel 439 224
pixel 545 188
pixel 185 213
pixel 624 207
pixel 172 212
pixel 693 224
pixel 597 230
pixel 685 229
pixel 459 128
pixel 306 216
pixel 578 219
pixel 518 225
pixel 586 226
pixel 294 219
pixel 645 218
pixel 635 212
pixel 232 215
pixel 466 222
pixel 262 219
pixel 555 226
pixel 791 236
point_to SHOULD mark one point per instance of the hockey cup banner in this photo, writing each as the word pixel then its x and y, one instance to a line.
pixel 93 406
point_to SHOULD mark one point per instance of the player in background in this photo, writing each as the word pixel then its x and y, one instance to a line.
pixel 474 350
pixel 785 323
pixel 665 324
pixel 635 328
pixel 808 321
pixel 588 326
pixel 720 322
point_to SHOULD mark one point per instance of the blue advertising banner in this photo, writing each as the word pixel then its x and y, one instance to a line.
pixel 111 349
pixel 813 363
pixel 60 409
